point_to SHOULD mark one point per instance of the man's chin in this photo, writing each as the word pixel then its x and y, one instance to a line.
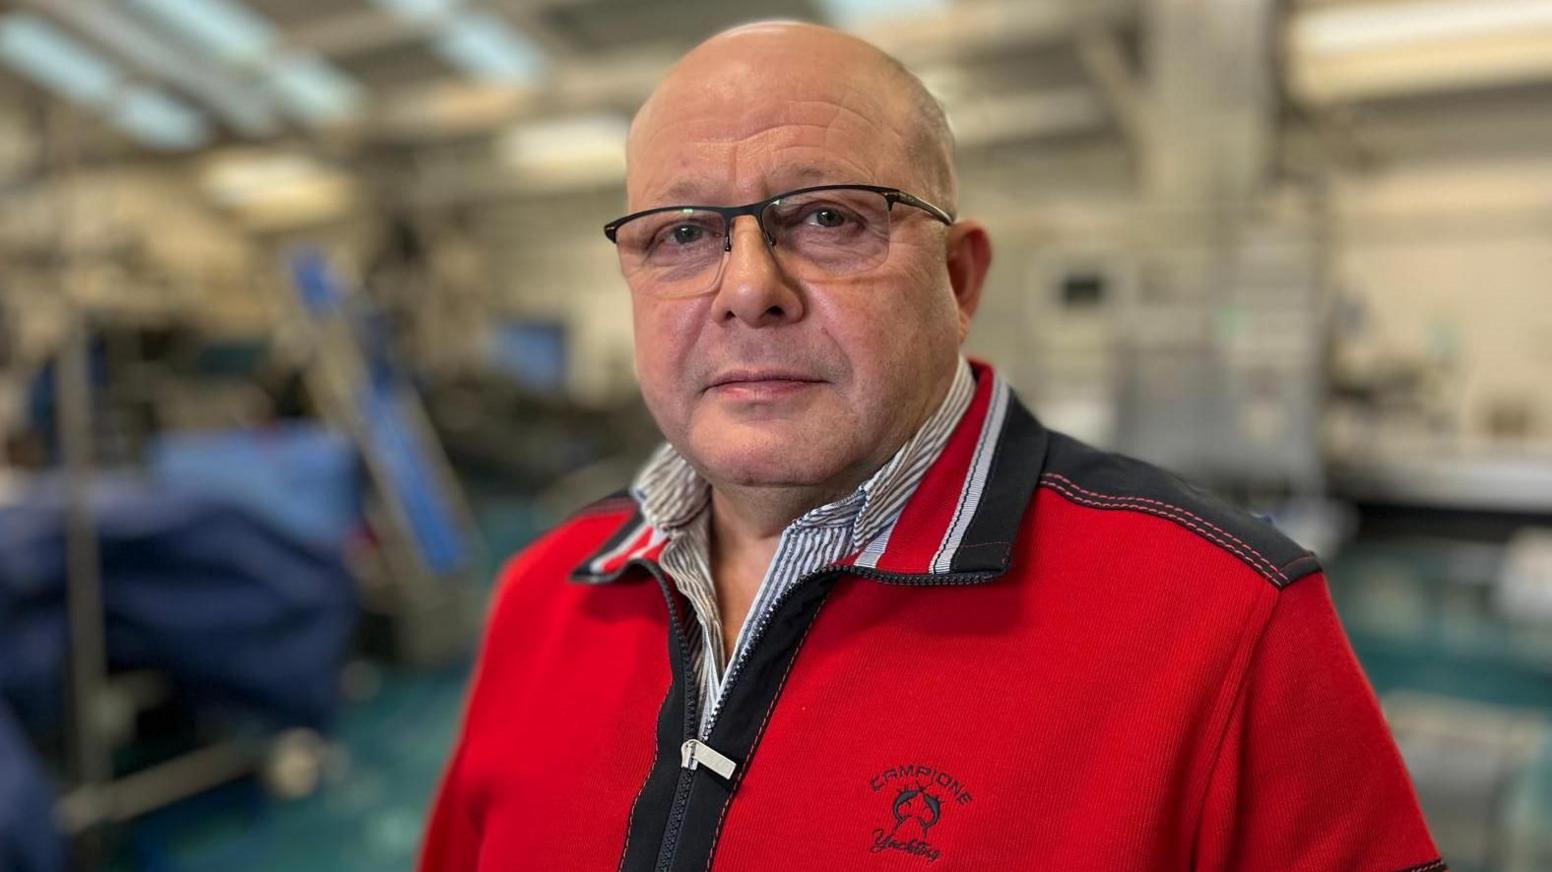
pixel 767 462
pixel 763 474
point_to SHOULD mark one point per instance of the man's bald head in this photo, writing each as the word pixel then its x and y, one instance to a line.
pixel 760 66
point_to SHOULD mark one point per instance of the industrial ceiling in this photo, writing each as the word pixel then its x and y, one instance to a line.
pixel 553 82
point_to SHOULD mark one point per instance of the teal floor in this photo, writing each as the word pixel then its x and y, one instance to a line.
pixel 368 814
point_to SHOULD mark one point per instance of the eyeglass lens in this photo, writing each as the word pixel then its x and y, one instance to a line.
pixel 817 235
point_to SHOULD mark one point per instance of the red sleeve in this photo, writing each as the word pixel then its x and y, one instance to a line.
pixel 452 842
pixel 1307 776
pixel 452 839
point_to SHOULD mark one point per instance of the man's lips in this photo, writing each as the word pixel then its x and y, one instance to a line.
pixel 744 376
pixel 762 382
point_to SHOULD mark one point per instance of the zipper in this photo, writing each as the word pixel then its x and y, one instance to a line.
pixel 694 754
pixel 759 633
pixel 692 700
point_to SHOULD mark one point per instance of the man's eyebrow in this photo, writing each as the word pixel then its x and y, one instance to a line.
pixel 682 191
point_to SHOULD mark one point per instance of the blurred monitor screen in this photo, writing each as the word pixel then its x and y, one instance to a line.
pixel 533 353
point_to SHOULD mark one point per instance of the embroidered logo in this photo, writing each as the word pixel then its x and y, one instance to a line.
pixel 918 796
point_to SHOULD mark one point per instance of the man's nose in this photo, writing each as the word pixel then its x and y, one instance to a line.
pixel 753 287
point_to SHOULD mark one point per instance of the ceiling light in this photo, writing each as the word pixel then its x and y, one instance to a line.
pixel 315 90
pixel 41 52
pixel 225 29
pixel 160 121
pixel 276 189
pixel 236 178
pixel 565 152
pixel 485 47
pixel 1392 25
pixel 1384 51
pixel 851 13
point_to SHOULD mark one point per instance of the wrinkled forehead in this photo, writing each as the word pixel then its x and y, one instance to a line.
pixel 757 133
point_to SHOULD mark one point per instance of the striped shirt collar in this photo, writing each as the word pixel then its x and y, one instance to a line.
pixel 957 523
pixel 672 494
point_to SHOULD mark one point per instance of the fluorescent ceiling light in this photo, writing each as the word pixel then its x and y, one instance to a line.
pixel 1396 49
pixel 850 13
pixel 419 10
pixel 484 47
pixel 225 29
pixel 36 49
pixel 159 120
pixel 1391 25
pixel 276 189
pixel 450 109
pixel 242 177
pixel 567 151
pixel 315 90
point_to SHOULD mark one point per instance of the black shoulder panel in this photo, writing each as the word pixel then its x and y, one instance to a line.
pixel 1097 479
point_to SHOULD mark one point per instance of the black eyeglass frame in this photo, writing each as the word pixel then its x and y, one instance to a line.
pixel 757 210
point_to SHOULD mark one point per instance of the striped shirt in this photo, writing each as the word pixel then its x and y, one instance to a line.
pixel 676 501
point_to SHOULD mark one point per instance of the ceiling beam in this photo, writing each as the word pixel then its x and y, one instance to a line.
pixel 357 32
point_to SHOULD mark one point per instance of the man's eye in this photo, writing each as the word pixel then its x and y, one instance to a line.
pixel 685 234
pixel 824 217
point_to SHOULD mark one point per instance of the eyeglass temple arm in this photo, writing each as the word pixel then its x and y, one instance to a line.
pixel 913 200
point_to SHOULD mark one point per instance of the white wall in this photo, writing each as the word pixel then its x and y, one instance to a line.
pixel 549 259
pixel 1454 258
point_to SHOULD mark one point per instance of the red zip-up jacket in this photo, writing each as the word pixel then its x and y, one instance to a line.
pixel 1062 659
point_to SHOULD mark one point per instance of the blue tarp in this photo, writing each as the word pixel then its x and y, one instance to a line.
pixel 233 608
pixel 298 475
pixel 236 611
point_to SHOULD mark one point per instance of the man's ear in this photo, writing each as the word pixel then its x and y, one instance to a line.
pixel 969 257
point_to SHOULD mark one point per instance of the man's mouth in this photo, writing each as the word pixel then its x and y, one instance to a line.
pixel 761 383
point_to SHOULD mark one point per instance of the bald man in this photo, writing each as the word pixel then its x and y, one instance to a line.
pixel 861 611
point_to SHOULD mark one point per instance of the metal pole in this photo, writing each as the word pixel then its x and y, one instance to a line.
pixel 88 757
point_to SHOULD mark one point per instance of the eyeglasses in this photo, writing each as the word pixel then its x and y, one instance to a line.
pixel 815 233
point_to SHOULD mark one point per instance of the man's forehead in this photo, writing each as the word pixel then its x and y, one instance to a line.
pixel 769 141
pixel 698 188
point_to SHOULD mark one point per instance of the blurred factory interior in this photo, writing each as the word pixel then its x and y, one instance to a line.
pixel 306 322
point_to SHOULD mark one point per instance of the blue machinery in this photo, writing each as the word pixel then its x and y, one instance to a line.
pixel 428 541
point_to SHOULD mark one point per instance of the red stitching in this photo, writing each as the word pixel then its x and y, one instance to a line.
pixel 1267 564
pixel 1177 519
pixel 716 835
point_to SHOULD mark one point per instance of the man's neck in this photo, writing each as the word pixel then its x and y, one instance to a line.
pixel 746 528
pixel 744 515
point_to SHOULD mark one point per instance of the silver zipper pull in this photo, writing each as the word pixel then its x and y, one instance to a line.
pixel 694 753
